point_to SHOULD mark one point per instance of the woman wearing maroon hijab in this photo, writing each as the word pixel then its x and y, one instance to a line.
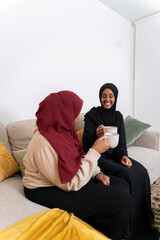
pixel 59 175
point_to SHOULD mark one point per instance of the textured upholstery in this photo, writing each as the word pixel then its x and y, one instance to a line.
pixel 20 133
pixel 79 123
pixel 149 158
pixel 4 137
pixel 149 139
pixel 14 205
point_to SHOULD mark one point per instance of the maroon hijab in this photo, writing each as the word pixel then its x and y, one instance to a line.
pixel 56 121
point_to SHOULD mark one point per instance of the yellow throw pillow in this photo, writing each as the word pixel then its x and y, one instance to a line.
pixel 8 165
pixel 80 135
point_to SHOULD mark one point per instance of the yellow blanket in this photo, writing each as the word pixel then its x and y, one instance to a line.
pixel 51 224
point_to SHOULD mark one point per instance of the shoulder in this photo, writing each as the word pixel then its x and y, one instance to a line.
pixel 37 142
pixel 119 114
pixel 92 112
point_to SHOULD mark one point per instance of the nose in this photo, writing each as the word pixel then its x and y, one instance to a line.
pixel 107 98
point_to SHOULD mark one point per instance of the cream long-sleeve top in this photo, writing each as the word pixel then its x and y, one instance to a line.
pixel 41 166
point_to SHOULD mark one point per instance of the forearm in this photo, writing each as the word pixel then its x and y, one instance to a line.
pixel 87 170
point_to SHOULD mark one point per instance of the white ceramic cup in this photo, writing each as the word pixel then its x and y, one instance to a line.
pixel 113 139
pixel 110 129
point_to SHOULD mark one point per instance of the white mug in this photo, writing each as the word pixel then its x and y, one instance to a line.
pixel 110 129
pixel 113 139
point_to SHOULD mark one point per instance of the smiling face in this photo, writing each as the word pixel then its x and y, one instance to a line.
pixel 107 98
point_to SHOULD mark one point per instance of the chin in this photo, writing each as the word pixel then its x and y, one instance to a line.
pixel 107 107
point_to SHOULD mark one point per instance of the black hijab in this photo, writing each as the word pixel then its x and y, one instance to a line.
pixel 109 115
pixel 101 115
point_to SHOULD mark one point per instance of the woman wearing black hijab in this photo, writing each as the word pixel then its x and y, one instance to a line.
pixel 116 162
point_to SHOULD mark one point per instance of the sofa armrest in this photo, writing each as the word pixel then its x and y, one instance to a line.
pixel 149 139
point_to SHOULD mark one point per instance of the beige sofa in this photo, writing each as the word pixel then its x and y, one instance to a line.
pixel 16 136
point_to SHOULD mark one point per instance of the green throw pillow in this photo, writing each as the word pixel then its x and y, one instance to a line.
pixel 19 155
pixel 134 128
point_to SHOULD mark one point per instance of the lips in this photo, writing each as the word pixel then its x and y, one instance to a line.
pixel 107 103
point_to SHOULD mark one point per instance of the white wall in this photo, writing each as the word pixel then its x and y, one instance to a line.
pixel 52 45
pixel 147 77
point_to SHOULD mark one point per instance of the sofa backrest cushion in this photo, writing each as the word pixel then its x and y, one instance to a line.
pixel 149 139
pixel 4 137
pixel 20 133
pixel 79 123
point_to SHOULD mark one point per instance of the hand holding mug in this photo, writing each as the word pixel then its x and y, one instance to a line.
pixel 101 144
pixel 113 139
pixel 100 131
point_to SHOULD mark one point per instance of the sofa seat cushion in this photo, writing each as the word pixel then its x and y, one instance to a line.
pixel 14 205
pixel 149 158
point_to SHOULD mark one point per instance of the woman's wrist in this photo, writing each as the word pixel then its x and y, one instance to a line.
pixel 98 174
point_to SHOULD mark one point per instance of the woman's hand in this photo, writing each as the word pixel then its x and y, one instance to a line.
pixel 103 179
pixel 101 144
pixel 125 161
pixel 99 131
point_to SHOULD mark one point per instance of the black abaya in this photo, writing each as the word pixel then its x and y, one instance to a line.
pixel 106 208
pixel 138 179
